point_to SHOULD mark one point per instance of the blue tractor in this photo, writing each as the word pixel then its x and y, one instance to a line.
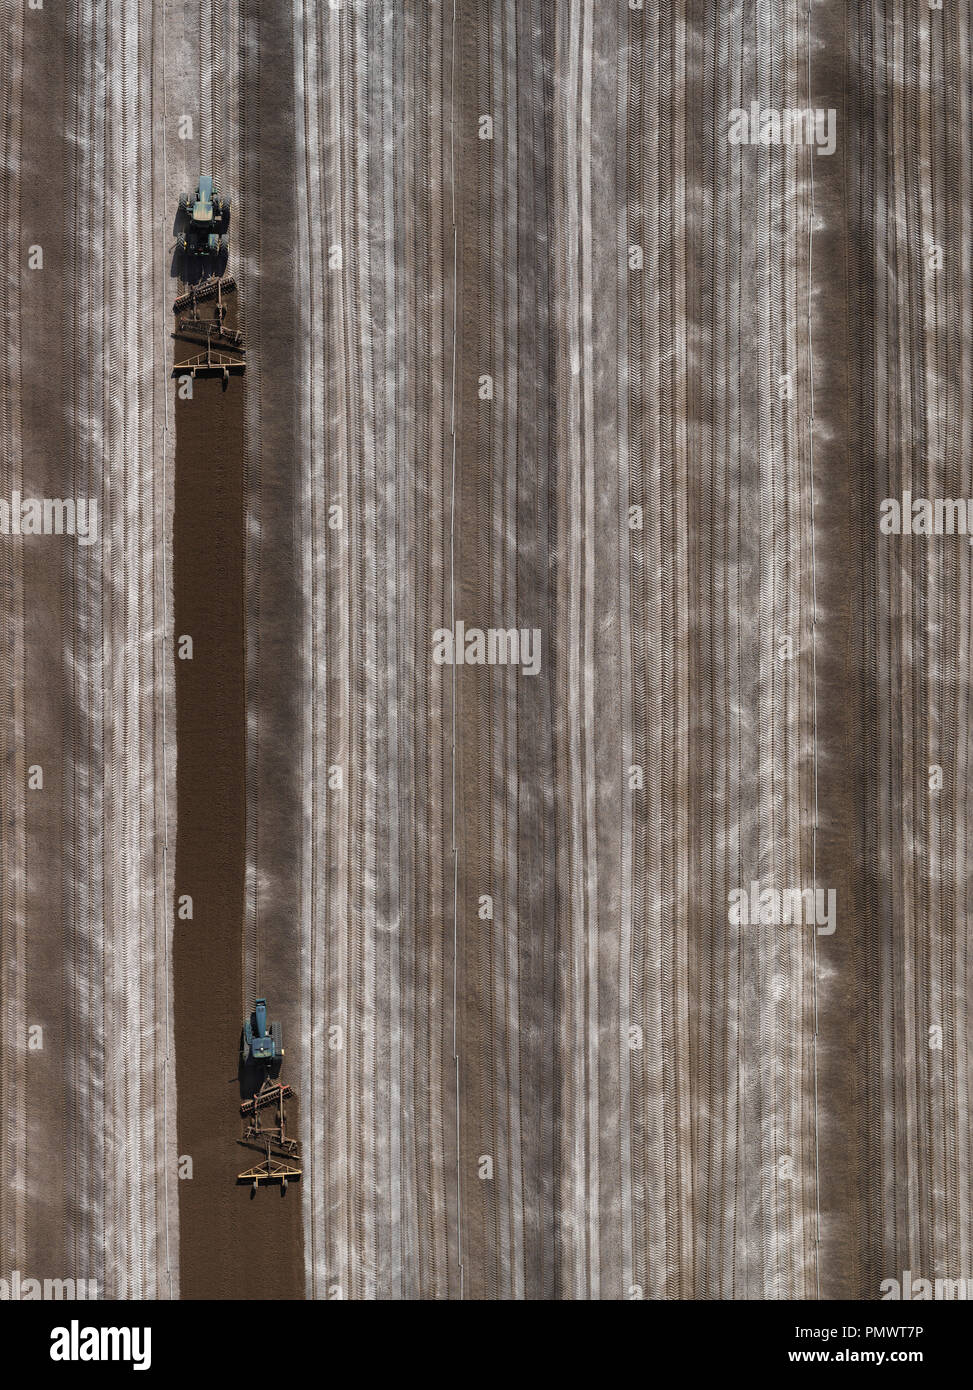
pixel 208 219
pixel 257 1045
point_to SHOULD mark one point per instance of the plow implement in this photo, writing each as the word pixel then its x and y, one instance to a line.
pixel 203 329
pixel 271 1094
pixel 209 360
pixel 212 360
pixel 205 290
pixel 271 1169
pixel 212 332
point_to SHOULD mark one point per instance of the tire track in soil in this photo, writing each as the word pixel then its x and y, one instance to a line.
pixel 45 340
pixel 844 691
pixel 233 1244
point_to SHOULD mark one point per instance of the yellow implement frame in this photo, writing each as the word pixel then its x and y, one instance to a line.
pixel 271 1169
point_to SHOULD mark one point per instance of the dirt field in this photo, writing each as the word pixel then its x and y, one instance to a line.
pixel 234 1245
pixel 533 346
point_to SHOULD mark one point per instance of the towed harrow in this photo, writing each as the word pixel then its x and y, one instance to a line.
pixel 212 332
pixel 272 1169
pixel 204 290
pixel 270 1093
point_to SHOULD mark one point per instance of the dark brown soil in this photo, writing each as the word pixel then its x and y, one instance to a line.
pixel 233 1243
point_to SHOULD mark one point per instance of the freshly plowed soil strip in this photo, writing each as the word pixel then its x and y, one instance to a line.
pixel 234 1245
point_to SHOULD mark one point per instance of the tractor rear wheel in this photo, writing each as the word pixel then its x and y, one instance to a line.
pixel 275 1033
pixel 225 206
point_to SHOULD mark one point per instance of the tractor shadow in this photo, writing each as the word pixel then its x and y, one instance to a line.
pixel 252 1075
pixel 192 270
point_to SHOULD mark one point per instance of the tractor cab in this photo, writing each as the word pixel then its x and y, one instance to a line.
pixel 208 217
pixel 202 208
pixel 260 1045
